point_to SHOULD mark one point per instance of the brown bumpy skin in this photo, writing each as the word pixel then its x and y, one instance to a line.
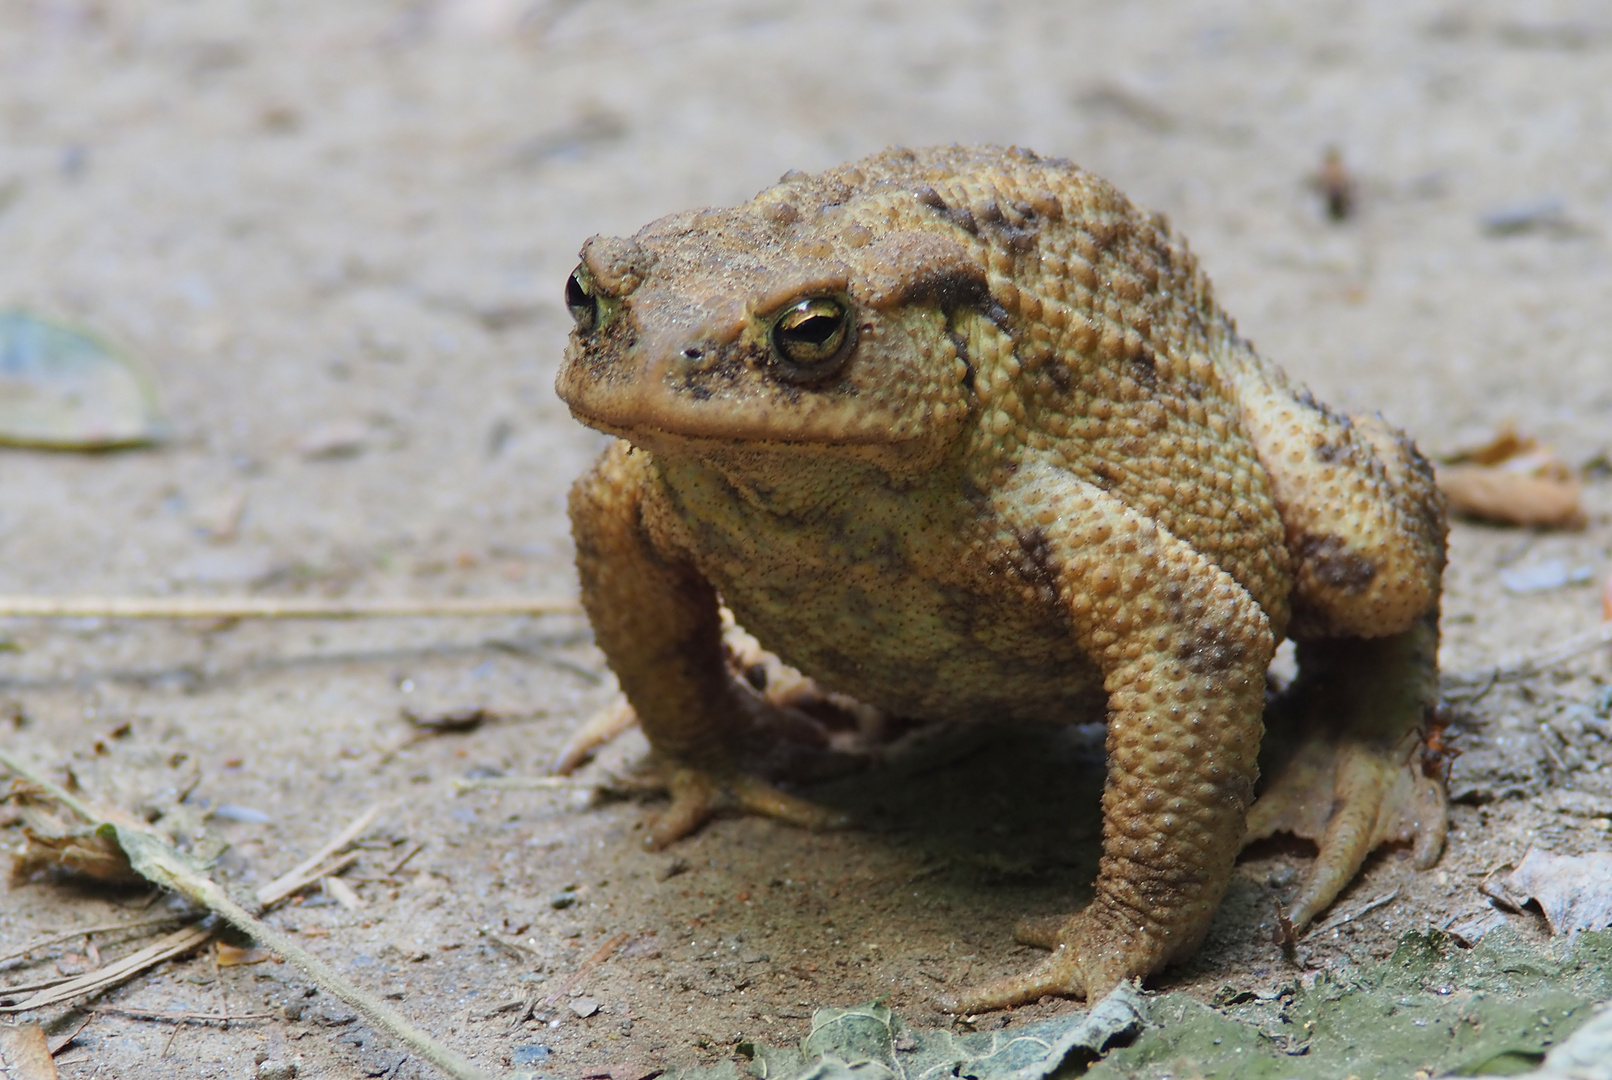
pixel 963 434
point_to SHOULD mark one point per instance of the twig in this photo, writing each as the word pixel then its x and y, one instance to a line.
pixel 588 965
pixel 62 1042
pixel 418 847
pixel 184 1017
pixel 104 928
pixel 155 859
pixel 164 948
pixel 253 607
pixel 522 783
pixel 1351 916
pixel 1529 665
pixel 303 874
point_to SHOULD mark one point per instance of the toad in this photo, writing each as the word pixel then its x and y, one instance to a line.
pixel 963 433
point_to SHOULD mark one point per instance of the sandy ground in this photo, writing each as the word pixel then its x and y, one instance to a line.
pixel 337 234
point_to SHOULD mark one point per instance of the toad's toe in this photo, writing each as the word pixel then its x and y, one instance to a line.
pixel 1369 795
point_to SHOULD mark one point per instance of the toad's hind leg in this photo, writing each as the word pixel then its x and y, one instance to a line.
pixel 1365 529
pixel 1346 758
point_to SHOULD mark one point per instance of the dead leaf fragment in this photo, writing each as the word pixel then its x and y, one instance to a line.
pixel 234 956
pixel 24 1054
pixel 92 852
pixel 63 390
pixel 1574 891
pixel 1513 480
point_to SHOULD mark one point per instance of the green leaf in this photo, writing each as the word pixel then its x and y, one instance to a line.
pixel 61 389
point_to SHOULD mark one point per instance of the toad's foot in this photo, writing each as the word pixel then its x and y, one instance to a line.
pixel 1360 774
pixel 784 709
pixel 699 793
pixel 1086 961
pixel 600 729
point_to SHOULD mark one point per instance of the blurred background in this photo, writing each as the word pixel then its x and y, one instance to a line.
pixel 333 238
pixel 336 234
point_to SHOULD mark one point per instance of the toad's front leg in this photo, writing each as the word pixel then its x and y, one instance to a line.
pixel 1183 649
pixel 658 622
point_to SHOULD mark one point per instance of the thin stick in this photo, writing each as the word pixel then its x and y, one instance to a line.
pixel 164 948
pixel 522 783
pixel 294 607
pixel 154 858
pixel 288 882
pixel 104 928
pixel 418 847
pixel 189 1018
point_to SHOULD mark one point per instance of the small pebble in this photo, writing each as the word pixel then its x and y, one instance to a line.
pixel 234 812
pixel 584 1007
pixel 276 1070
pixel 530 1054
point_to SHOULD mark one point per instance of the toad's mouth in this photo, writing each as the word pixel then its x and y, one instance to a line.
pixel 665 396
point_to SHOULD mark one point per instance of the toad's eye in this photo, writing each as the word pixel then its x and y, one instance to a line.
pixel 582 301
pixel 809 337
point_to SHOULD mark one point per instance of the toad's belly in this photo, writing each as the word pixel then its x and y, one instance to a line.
pixel 923 649
pixel 885 595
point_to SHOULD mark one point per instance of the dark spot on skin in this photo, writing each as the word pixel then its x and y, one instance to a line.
pixel 756 676
pixel 1329 452
pixel 1306 399
pixel 1060 375
pixel 949 288
pixel 1034 563
pixel 1000 317
pixel 963 219
pixel 1019 241
pixel 1145 369
pixel 1206 649
pixel 1018 236
pixel 1333 564
pixel 930 198
pixel 721 367
pixel 1415 461
pixel 1106 475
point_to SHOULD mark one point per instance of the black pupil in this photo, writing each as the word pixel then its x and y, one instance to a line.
pixel 575 295
pixel 814 329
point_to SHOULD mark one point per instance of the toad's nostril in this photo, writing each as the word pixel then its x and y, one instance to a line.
pixel 693 353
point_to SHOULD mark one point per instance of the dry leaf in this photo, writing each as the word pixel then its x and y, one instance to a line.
pixel 1574 891
pixel 1513 480
pixel 92 852
pixel 24 1054
pixel 232 956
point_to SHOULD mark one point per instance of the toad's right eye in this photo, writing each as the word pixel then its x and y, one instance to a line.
pixel 582 301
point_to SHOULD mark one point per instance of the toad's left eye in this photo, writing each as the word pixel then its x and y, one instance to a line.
pixel 582 301
pixel 809 337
